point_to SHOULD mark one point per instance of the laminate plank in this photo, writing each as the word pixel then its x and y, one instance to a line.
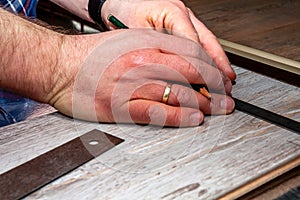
pixel 271 26
pixel 267 93
pixel 205 162
pixel 273 40
pixel 164 161
pixel 282 187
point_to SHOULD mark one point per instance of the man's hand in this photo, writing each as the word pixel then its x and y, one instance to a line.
pixel 171 16
pixel 121 76
pixel 116 76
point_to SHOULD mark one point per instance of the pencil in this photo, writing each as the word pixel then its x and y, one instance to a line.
pixel 115 21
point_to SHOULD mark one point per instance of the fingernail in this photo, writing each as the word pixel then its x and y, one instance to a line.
pixel 230 72
pixel 227 104
pixel 195 118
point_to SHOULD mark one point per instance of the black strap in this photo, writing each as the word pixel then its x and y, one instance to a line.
pixel 95 7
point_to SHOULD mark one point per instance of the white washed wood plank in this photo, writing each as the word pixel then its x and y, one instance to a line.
pixel 133 170
pixel 205 162
pixel 268 93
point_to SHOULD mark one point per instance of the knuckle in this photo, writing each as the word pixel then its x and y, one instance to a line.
pixel 203 71
pixel 220 83
pixel 157 115
pixel 136 57
pixel 209 36
pixel 140 113
pixel 153 111
pixel 174 118
pixel 192 70
pixel 183 96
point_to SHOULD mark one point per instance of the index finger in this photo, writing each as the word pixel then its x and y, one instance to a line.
pixel 210 43
pixel 180 24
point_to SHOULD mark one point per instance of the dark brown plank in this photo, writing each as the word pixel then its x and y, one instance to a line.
pixel 271 26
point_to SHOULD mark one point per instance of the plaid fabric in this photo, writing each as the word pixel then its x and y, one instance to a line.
pixel 25 7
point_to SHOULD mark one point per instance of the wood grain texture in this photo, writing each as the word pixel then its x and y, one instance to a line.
pixel 204 162
pixel 262 180
pixel 267 93
pixel 285 187
pixel 271 26
pixel 164 163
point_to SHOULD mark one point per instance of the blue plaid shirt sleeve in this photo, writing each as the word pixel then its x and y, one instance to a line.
pixel 14 108
pixel 25 7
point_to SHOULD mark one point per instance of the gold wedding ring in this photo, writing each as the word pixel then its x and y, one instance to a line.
pixel 166 93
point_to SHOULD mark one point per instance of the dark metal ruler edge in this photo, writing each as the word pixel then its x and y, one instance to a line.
pixel 34 174
pixel 268 116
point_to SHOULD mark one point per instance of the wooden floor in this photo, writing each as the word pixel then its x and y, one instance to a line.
pixel 221 158
pixel 269 25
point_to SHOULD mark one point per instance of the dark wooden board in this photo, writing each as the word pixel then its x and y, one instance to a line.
pixel 268 25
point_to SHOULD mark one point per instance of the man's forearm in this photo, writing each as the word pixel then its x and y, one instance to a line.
pixel 29 57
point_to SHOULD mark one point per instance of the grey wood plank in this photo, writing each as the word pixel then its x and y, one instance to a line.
pixel 265 92
pixel 160 163
pixel 285 186
pixel 204 162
